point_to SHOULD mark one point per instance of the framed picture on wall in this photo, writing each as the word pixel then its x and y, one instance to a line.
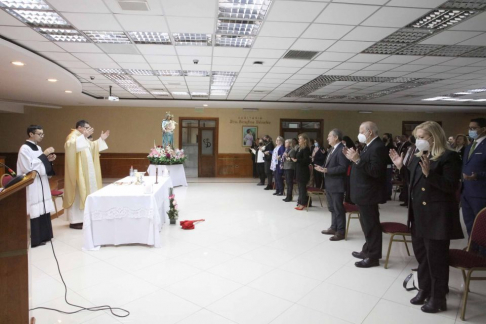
pixel 249 135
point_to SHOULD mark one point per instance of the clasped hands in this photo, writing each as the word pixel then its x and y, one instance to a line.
pixel 351 154
pixel 49 152
pixel 320 169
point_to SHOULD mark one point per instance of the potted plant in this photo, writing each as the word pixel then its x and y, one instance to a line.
pixel 173 212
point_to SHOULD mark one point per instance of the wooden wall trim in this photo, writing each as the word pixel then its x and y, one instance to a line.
pixel 235 165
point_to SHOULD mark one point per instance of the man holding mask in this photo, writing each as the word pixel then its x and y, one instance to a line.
pixel 473 197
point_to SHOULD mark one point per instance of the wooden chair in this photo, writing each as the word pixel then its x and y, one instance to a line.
pixel 350 210
pixel 470 261
pixel 56 194
pixel 396 229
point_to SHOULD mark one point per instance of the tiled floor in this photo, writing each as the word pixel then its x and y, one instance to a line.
pixel 254 260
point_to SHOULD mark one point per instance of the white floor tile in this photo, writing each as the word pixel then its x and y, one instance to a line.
pixel 249 306
pixel 301 314
pixel 167 273
pixel 270 256
pixel 131 262
pixel 240 270
pixel 103 319
pixel 67 262
pixel 205 317
pixel 204 258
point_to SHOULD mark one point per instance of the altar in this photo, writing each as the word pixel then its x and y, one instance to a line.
pixel 176 173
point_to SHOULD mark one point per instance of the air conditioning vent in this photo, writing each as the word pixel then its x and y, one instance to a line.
pixel 134 5
pixel 300 55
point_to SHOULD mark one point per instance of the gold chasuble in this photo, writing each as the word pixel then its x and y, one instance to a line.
pixel 79 178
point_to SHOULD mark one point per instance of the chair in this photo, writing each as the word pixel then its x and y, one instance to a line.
pixel 350 210
pixel 398 185
pixel 56 194
pixel 395 229
pixel 313 191
pixel 5 179
pixel 468 260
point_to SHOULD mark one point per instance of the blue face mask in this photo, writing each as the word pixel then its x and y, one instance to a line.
pixel 316 144
pixel 473 134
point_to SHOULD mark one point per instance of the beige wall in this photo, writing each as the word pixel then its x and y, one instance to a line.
pixel 133 130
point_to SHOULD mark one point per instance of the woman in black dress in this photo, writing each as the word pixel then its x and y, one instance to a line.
pixel 433 215
pixel 302 160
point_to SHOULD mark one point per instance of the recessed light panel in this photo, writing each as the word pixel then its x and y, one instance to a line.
pixel 480 52
pixel 384 48
pixel 139 72
pixel 441 18
pixel 150 38
pixel 37 18
pixel 419 49
pixel 107 37
pixel 61 35
pixel 192 39
pixel 179 93
pixel 195 73
pixel 168 73
pixel 465 4
pixel 243 9
pixel 219 92
pixel 237 27
pixel 456 50
pixel 25 4
pixel 407 35
pixel 111 71
pixel 234 41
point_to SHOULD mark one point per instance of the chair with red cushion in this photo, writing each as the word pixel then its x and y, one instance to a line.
pixel 5 179
pixel 468 260
pixel 350 210
pixel 56 194
pixel 395 229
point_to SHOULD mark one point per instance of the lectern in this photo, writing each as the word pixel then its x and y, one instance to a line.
pixel 14 247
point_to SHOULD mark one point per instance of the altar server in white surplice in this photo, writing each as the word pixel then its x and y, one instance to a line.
pixel 39 200
pixel 82 172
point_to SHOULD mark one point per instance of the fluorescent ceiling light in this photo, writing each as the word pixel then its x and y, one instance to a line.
pixel 234 41
pixel 192 39
pixel 243 9
pixel 199 94
pixel 150 37
pixel 238 27
pixel 435 99
pixel 139 72
pixel 196 73
pixel 111 71
pixel 441 18
pixel 38 18
pixel 168 73
pixel 463 93
pixel 159 93
pixel 107 37
pixel 68 91
pixel 25 4
pixel 18 63
pixel 52 80
pixel 219 92
pixel 62 34
pixel 179 93
pixel 220 87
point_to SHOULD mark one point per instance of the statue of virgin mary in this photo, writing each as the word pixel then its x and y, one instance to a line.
pixel 168 127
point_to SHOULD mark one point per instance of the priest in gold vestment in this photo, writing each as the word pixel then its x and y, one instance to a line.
pixel 82 172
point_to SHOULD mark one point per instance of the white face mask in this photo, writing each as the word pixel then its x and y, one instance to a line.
pixel 362 138
pixel 422 145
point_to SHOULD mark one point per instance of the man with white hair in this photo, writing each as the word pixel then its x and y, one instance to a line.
pixel 368 189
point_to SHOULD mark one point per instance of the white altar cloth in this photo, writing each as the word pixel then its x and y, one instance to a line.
pixel 124 214
pixel 177 173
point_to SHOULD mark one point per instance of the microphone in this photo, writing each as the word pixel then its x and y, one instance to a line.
pixel 12 172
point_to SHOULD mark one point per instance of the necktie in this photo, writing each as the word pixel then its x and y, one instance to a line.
pixel 328 156
pixel 365 148
pixel 472 149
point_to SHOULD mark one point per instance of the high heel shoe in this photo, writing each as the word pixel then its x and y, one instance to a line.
pixel 435 305
pixel 421 297
pixel 300 208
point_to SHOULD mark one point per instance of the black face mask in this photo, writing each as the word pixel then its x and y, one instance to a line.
pixel 385 139
pixel 260 144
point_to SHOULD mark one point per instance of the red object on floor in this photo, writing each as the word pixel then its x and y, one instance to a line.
pixel 189 224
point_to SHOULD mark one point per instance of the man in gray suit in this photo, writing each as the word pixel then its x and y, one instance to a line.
pixel 334 169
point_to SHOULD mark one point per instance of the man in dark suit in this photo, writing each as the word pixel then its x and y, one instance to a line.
pixel 267 150
pixel 334 169
pixel 368 189
pixel 473 196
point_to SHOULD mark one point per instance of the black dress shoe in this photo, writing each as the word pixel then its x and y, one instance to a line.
pixel 78 226
pixel 337 237
pixel 359 255
pixel 267 188
pixel 260 184
pixel 287 200
pixel 275 193
pixel 435 305
pixel 421 297
pixel 280 194
pixel 329 231
pixel 367 263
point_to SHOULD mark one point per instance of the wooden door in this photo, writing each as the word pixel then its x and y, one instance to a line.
pixel 207 152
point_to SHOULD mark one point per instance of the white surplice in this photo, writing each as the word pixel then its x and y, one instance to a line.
pixel 28 160
pixel 74 214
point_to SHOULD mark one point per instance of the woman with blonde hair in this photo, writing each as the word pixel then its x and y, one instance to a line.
pixel 302 160
pixel 433 214
pixel 461 143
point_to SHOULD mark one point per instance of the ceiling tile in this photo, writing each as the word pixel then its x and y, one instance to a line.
pixel 345 14
pixel 228 61
pixel 191 25
pixel 95 6
pixel 8 20
pixel 103 64
pixel 190 8
pixel 301 11
pixel 165 66
pixel 154 6
pixel 273 42
pixel 281 76
pixel 400 59
pixel 352 66
pixel 193 67
pixel 394 17
pixel 229 68
pixel 438 68
pixel 478 40
pixel 250 75
pixel 416 3
pixel 350 46
pixel 278 69
pixel 291 63
pixel 90 57
pixel 73 64
pixel 322 65
pixel 87 21
pixel 312 44
pixel 367 58
pixel 312 71
pixel 118 48
pixel 21 33
pixel 231 52
pixel 432 60
pixel 79 47
pixel 194 50
pixel 41 46
pixel 409 68
pixel 362 33
pixel 161 59
pixel 334 56
pixel 393 74
pixel 381 67
pixel 203 60
pixel 371 2
pixel 142 23
pixel 59 56
pixel 476 23
pixel 326 31
pixel 339 72
pixel 366 73
pixel 255 68
pixel 157 49
pixel 463 61
pixel 451 38
pixel 127 58
pixel 282 29
pixel 266 53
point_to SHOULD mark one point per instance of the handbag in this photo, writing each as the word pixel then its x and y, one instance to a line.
pixel 414 277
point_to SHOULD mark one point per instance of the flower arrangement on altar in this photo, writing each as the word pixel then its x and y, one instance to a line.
pixel 166 156
pixel 173 212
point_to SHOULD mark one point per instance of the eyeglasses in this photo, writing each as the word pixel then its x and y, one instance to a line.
pixel 40 134
pixel 474 128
